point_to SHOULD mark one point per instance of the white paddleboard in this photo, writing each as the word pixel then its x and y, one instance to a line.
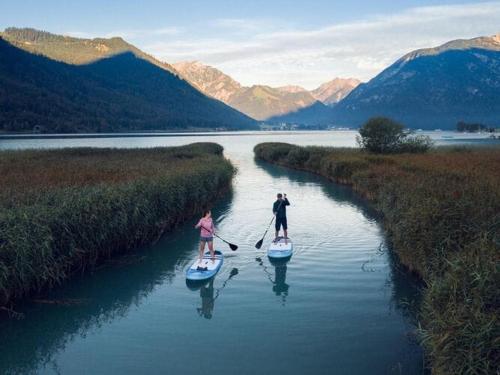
pixel 280 248
pixel 206 268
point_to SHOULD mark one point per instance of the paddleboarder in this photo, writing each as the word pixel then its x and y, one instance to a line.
pixel 279 210
pixel 207 231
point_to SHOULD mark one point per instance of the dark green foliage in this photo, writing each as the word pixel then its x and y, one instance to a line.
pixel 382 135
pixel 72 50
pixel 442 211
pixel 64 210
pixel 118 93
pixel 461 310
pixel 31 35
pixel 298 156
pixel 415 144
pixel 275 153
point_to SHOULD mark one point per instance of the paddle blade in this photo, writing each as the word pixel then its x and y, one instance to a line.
pixel 233 272
pixel 258 245
pixel 233 247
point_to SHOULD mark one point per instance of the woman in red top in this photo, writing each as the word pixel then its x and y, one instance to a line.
pixel 206 234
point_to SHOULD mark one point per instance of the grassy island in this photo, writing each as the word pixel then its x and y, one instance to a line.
pixel 61 211
pixel 442 213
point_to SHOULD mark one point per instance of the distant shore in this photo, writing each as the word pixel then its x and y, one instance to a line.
pixel 212 133
pixel 154 134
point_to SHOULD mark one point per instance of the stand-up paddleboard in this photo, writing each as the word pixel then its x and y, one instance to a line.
pixel 280 248
pixel 206 268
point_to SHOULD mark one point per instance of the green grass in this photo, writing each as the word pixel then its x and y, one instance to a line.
pixel 61 211
pixel 442 213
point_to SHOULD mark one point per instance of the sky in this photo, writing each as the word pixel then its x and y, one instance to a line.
pixel 276 43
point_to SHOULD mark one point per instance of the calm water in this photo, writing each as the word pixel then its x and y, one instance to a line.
pixel 341 305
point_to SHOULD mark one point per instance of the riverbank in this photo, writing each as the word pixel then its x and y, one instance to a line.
pixel 441 211
pixel 62 211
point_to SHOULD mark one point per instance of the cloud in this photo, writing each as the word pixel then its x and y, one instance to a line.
pixel 242 25
pixel 239 24
pixel 274 53
pixel 129 34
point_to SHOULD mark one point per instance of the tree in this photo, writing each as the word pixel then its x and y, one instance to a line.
pixel 382 135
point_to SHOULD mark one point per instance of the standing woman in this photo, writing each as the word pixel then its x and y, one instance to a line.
pixel 206 234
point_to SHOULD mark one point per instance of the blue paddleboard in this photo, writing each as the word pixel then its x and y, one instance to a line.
pixel 280 248
pixel 208 268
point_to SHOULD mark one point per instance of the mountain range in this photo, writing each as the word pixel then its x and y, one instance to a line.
pixel 427 88
pixel 334 91
pixel 432 88
pixel 264 102
pixel 55 83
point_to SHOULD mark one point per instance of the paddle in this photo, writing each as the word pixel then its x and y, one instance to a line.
pixel 232 246
pixel 258 245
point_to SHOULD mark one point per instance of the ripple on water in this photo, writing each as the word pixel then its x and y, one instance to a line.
pixel 330 308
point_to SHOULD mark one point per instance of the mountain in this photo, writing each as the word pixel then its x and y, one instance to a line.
pixel 71 50
pixel 335 90
pixel 208 80
pixel 264 102
pixel 117 92
pixel 432 88
pixel 314 115
pixel 291 89
pixel 259 101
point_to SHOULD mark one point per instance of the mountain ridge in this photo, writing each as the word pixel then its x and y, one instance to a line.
pixel 482 42
pixel 429 87
pixel 208 80
pixel 262 102
pixel 120 92
pixel 432 87
pixel 74 50
pixel 334 91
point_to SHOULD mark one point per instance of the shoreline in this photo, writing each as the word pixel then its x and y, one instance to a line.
pixel 456 136
pixel 158 134
pixel 447 236
pixel 91 204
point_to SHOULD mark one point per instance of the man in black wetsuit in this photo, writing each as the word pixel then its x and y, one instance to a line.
pixel 279 210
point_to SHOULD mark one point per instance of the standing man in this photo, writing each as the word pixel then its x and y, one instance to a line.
pixel 279 210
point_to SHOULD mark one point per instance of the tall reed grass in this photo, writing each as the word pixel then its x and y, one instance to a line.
pixel 442 212
pixel 61 211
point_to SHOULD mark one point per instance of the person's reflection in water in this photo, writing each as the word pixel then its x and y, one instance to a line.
pixel 207 300
pixel 280 287
pixel 209 295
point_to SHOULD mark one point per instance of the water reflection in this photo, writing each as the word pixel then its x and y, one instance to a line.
pixel 126 303
pixel 49 328
pixel 207 300
pixel 208 294
pixel 109 293
pixel 278 280
pixel 405 287
pixel 342 194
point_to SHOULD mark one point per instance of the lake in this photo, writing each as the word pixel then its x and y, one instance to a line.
pixel 342 304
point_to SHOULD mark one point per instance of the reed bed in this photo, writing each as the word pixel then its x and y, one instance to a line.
pixel 442 213
pixel 62 211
